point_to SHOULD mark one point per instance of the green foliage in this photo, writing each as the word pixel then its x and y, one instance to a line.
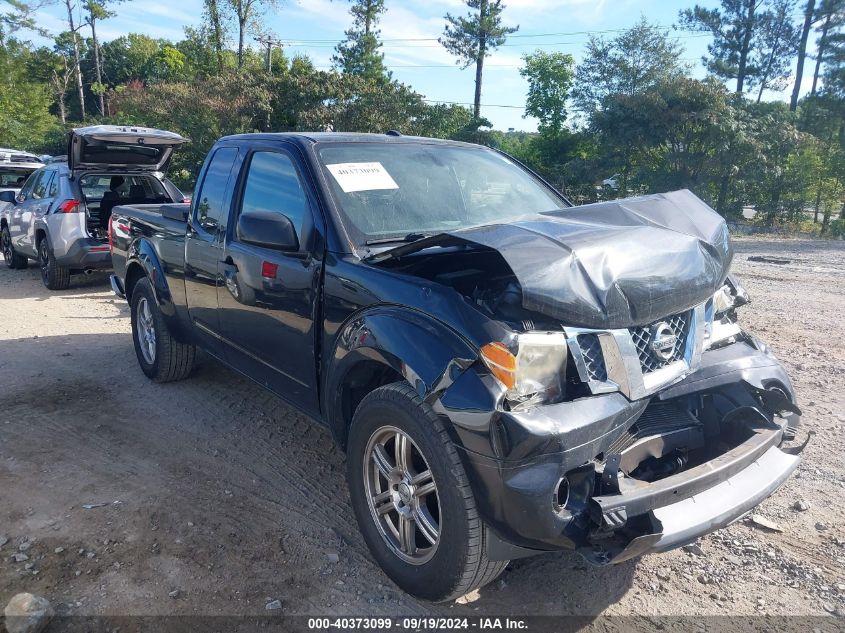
pixel 359 54
pixel 24 102
pixel 474 36
pixel 633 62
pixel 754 41
pixel 550 77
pixel 642 117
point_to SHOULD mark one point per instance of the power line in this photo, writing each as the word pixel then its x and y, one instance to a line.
pixel 299 44
pixel 514 36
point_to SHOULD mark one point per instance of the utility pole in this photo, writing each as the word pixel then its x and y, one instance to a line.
pixel 269 42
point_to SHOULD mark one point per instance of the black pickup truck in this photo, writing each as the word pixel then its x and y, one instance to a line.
pixel 508 374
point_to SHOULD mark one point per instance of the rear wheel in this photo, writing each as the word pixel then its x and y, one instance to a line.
pixel 412 499
pixel 162 357
pixel 13 260
pixel 55 277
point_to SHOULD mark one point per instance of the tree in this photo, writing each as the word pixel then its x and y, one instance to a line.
pixel 247 14
pixel 19 14
pixel 77 68
pixel 735 32
pixel 54 68
pixel 24 102
pixel 778 43
pixel 359 54
pixel 550 77
pixel 216 29
pixel 631 63
pixel 665 137
pixel 473 37
pixel 97 10
pixel 832 16
pixel 809 15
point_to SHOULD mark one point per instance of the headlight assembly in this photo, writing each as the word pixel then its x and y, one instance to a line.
pixel 536 372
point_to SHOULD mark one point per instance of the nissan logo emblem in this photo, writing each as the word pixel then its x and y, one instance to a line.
pixel 663 341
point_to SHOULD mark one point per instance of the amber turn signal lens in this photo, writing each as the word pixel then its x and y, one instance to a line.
pixel 501 362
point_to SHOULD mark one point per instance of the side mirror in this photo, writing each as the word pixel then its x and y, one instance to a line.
pixel 8 196
pixel 268 229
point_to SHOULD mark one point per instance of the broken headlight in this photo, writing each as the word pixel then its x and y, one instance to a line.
pixel 721 328
pixel 536 372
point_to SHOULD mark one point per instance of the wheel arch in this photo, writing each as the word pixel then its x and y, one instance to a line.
pixel 40 234
pixel 390 344
pixel 143 262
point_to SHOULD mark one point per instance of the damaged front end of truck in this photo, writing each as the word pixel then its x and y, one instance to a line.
pixel 623 409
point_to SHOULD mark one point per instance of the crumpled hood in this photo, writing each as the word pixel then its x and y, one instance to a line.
pixel 611 264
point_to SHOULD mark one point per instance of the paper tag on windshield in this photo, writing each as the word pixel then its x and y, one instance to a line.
pixel 361 176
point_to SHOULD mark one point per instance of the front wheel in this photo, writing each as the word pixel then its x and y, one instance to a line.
pixel 161 356
pixel 412 500
pixel 55 277
pixel 13 260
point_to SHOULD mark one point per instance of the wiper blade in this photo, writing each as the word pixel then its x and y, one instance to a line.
pixel 398 239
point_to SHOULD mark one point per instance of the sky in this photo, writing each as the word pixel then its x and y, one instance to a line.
pixel 409 30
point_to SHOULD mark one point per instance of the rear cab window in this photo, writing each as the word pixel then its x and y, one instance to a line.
pixel 211 210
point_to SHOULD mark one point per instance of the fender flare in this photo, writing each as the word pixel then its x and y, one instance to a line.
pixel 428 354
pixel 142 253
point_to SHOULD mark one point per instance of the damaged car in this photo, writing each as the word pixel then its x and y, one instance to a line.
pixel 508 374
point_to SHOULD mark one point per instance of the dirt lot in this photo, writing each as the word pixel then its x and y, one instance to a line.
pixel 212 497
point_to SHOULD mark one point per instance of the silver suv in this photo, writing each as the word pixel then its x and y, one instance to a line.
pixel 61 215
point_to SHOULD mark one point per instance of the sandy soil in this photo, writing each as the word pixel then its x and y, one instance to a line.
pixel 212 497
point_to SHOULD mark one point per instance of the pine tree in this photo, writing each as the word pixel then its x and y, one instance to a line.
pixel 473 37
pixel 359 53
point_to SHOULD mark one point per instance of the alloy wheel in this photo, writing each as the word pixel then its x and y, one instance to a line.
pixel 402 495
pixel 7 246
pixel 44 261
pixel 146 332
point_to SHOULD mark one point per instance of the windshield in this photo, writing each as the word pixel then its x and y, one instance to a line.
pixel 393 190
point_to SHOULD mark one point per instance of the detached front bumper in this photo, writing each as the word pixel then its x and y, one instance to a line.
pixel 543 485
pixel 713 508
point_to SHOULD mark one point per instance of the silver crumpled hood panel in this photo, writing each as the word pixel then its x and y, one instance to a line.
pixel 612 264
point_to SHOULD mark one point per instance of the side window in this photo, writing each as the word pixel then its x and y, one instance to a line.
pixel 53 190
pixel 43 185
pixel 212 210
pixel 272 184
pixel 31 183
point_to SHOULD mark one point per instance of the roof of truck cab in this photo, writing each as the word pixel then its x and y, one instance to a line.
pixel 309 138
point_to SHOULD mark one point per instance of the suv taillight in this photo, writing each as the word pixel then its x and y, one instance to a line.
pixel 111 244
pixel 69 206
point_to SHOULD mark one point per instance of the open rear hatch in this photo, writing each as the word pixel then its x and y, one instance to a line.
pixel 110 147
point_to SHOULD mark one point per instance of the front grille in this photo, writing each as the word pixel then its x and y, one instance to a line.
pixel 593 358
pixel 643 336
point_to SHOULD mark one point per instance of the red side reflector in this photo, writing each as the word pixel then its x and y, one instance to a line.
pixel 269 270
pixel 69 206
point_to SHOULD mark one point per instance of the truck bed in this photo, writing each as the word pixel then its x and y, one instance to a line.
pixel 166 223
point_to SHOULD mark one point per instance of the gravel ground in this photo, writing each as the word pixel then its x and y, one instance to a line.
pixel 212 497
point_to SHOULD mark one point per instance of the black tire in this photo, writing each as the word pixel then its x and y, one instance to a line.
pixel 55 277
pixel 165 358
pixel 459 562
pixel 13 260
